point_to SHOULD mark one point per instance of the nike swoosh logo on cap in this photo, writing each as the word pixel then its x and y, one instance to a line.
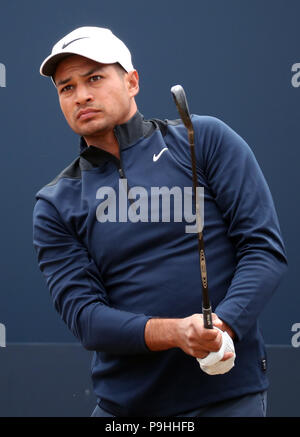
pixel 156 157
pixel 68 43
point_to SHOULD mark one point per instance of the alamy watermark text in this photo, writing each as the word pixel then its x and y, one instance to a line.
pixel 296 337
pixel 158 204
pixel 2 335
pixel 2 75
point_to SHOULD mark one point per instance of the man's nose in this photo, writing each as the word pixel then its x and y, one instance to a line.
pixel 83 95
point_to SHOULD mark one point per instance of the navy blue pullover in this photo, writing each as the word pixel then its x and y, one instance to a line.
pixel 107 278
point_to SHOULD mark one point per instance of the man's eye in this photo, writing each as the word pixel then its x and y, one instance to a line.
pixel 95 78
pixel 66 88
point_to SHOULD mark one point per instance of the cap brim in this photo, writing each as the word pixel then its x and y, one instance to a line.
pixel 49 65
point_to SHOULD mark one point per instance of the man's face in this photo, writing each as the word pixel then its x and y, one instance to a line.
pixel 95 97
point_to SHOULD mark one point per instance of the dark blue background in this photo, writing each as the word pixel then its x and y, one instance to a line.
pixel 234 59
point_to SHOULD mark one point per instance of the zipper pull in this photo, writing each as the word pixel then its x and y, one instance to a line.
pixel 121 173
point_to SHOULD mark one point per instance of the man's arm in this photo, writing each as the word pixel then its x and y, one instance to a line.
pixel 77 289
pixel 187 334
pixel 245 202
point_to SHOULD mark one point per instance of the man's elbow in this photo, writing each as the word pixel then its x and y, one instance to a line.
pixel 281 266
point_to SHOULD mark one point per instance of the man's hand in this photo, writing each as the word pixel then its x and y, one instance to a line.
pixel 217 363
pixel 223 326
pixel 187 333
pixel 194 339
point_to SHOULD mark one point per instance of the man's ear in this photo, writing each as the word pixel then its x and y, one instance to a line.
pixel 133 83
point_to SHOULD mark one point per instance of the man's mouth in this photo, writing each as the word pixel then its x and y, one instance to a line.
pixel 86 113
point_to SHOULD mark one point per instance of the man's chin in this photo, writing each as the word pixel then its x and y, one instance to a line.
pixel 92 129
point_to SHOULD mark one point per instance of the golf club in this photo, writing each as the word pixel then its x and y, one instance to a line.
pixel 182 107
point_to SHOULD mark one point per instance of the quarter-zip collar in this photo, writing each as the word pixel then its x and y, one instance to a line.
pixel 127 134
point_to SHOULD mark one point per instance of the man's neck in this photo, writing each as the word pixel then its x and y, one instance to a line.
pixel 108 143
pixel 107 140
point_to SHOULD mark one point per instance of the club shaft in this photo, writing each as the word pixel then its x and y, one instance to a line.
pixel 182 106
pixel 206 306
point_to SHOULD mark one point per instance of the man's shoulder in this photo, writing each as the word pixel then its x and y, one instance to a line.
pixel 208 122
pixel 70 173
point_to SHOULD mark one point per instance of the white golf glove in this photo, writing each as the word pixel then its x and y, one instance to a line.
pixel 212 364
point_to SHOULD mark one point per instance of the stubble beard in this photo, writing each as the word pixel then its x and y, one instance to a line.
pixel 94 128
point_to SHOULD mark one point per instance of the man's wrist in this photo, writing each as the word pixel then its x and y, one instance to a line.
pixel 227 328
pixel 160 334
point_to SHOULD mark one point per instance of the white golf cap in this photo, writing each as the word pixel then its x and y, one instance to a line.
pixel 96 43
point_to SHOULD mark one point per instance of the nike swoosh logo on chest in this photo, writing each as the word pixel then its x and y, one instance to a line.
pixel 156 157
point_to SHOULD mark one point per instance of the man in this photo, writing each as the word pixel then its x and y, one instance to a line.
pixel 123 271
